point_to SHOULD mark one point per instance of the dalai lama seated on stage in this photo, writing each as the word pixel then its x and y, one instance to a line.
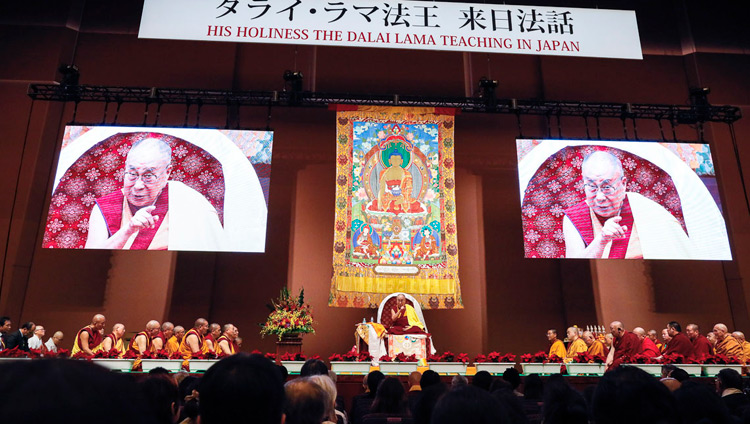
pixel 404 318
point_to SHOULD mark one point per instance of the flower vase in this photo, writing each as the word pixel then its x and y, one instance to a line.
pixel 541 368
pixel 710 370
pixel 653 369
pixel 172 365
pixel 397 368
pixel 585 368
pixel 292 367
pixel 122 365
pixel 201 365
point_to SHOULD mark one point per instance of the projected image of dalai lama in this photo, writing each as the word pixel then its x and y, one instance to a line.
pixel 614 223
pixel 150 212
pixel 405 319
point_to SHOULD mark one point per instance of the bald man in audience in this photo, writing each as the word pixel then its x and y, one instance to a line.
pixel 679 343
pixel 89 337
pixel 194 342
pixel 214 331
pixel 624 344
pixel 114 340
pixel 740 337
pixel 575 344
pixel 702 347
pixel 595 347
pixel 160 341
pixel 726 344
pixel 225 342
pixel 648 347
pixel 173 343
pixel 53 343
pixel 556 346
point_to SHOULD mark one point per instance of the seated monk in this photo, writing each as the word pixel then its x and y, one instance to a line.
pixel 726 344
pixel 113 340
pixel 89 337
pixel 701 346
pixel 576 346
pixel 595 347
pixel 141 342
pixel 405 319
pixel 214 331
pixel 556 346
pixel 160 341
pixel 173 343
pixel 194 342
pixel 225 342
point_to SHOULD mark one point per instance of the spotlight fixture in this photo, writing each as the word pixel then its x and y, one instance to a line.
pixel 293 80
pixel 70 75
pixel 487 92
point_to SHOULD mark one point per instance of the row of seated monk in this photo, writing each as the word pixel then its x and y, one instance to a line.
pixel 620 343
pixel 201 339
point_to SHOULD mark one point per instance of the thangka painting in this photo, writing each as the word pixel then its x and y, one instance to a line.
pixel 395 228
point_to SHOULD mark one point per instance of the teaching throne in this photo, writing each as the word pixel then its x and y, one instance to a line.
pixel 419 345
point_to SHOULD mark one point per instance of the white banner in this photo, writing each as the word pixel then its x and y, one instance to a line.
pixel 422 25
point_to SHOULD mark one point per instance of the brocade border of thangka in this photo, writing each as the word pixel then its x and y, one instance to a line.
pixel 395 225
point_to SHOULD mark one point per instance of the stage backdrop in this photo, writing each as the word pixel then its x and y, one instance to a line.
pixel 395 228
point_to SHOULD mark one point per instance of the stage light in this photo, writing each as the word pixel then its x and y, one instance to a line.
pixel 70 75
pixel 487 92
pixel 293 80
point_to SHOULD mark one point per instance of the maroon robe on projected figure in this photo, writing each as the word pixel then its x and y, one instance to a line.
pixel 401 323
pixel 580 216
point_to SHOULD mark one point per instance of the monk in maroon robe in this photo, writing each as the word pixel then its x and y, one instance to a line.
pixel 404 318
pixel 625 344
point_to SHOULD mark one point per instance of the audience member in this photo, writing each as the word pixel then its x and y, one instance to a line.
pixel 162 399
pixel 188 399
pixel 512 376
pixel 533 391
pixel 429 378
pixel 510 403
pixel 483 380
pixel 305 402
pixel 332 414
pixel 458 381
pixel 389 399
pixel 313 367
pixel 562 404
pixel 628 395
pixel 46 390
pixel 241 388
pixel 468 404
pixel 697 404
pixel 361 404
pixel 415 390
pixel 729 387
pixel 426 405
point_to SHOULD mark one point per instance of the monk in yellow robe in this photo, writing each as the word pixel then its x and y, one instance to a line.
pixel 556 346
pixel 726 344
pixel 740 337
pixel 595 347
pixel 89 337
pixel 576 345
pixel 194 342
pixel 225 342
pixel 404 318
pixel 142 342
pixel 173 343
pixel 113 341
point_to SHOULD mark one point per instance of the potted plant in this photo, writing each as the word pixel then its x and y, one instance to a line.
pixel 161 359
pixel 712 364
pixel 112 361
pixel 540 363
pixel 400 364
pixel 293 361
pixel 14 354
pixel 351 362
pixel 585 363
pixel 691 366
pixel 644 362
pixel 289 316
pixel 448 363
pixel 202 362
pixel 495 362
